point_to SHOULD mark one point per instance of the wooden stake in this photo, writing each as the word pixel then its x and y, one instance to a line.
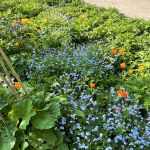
pixel 14 91
pixel 13 71
pixel 3 66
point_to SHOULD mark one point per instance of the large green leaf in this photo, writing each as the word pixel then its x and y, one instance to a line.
pixel 42 139
pixel 46 119
pixel 21 113
pixel 7 139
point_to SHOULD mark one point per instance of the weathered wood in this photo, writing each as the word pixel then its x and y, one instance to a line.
pixel 10 86
pixel 13 71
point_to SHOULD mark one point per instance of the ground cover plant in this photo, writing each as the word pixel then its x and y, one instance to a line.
pixel 86 70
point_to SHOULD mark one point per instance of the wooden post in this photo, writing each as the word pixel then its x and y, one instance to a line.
pixel 13 71
pixel 14 91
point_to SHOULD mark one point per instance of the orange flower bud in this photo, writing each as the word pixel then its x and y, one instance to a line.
pixel 68 14
pixel 25 21
pixel 130 71
pixel 17 85
pixel 123 65
pixel 17 44
pixel 113 51
pixel 121 51
pixel 141 68
pixel 92 85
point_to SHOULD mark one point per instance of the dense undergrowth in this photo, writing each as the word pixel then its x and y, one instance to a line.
pixel 74 60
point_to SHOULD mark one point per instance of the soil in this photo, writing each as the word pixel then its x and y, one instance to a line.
pixel 130 8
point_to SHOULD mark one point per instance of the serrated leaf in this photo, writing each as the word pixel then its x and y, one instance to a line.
pixel 22 111
pixel 46 119
pixel 42 139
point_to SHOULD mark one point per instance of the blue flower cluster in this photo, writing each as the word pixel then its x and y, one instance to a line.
pixel 85 121
pixel 127 127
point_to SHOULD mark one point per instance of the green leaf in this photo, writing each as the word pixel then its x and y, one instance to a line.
pixel 46 119
pixel 7 139
pixel 79 113
pixel 63 146
pixel 59 137
pixel 61 99
pixel 3 101
pixel 22 111
pixel 42 139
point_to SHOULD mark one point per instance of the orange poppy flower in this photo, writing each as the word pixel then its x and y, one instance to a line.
pixel 117 110
pixel 124 94
pixel 113 51
pixel 141 68
pixel 17 44
pixel 131 71
pixel 25 21
pixel 121 51
pixel 92 85
pixel 119 92
pixel 123 65
pixel 17 85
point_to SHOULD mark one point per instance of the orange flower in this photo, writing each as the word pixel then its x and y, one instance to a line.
pixel 92 85
pixel 17 85
pixel 130 71
pixel 121 51
pixel 123 65
pixel 113 51
pixel 38 31
pixel 44 20
pixel 68 14
pixel 18 20
pixel 83 16
pixel 119 92
pixel 141 68
pixel 124 94
pixel 25 21
pixel 117 110
pixel 13 25
pixel 17 44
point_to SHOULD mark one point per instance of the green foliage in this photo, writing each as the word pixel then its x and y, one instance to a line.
pixel 46 119
pixel 64 46
pixel 22 111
